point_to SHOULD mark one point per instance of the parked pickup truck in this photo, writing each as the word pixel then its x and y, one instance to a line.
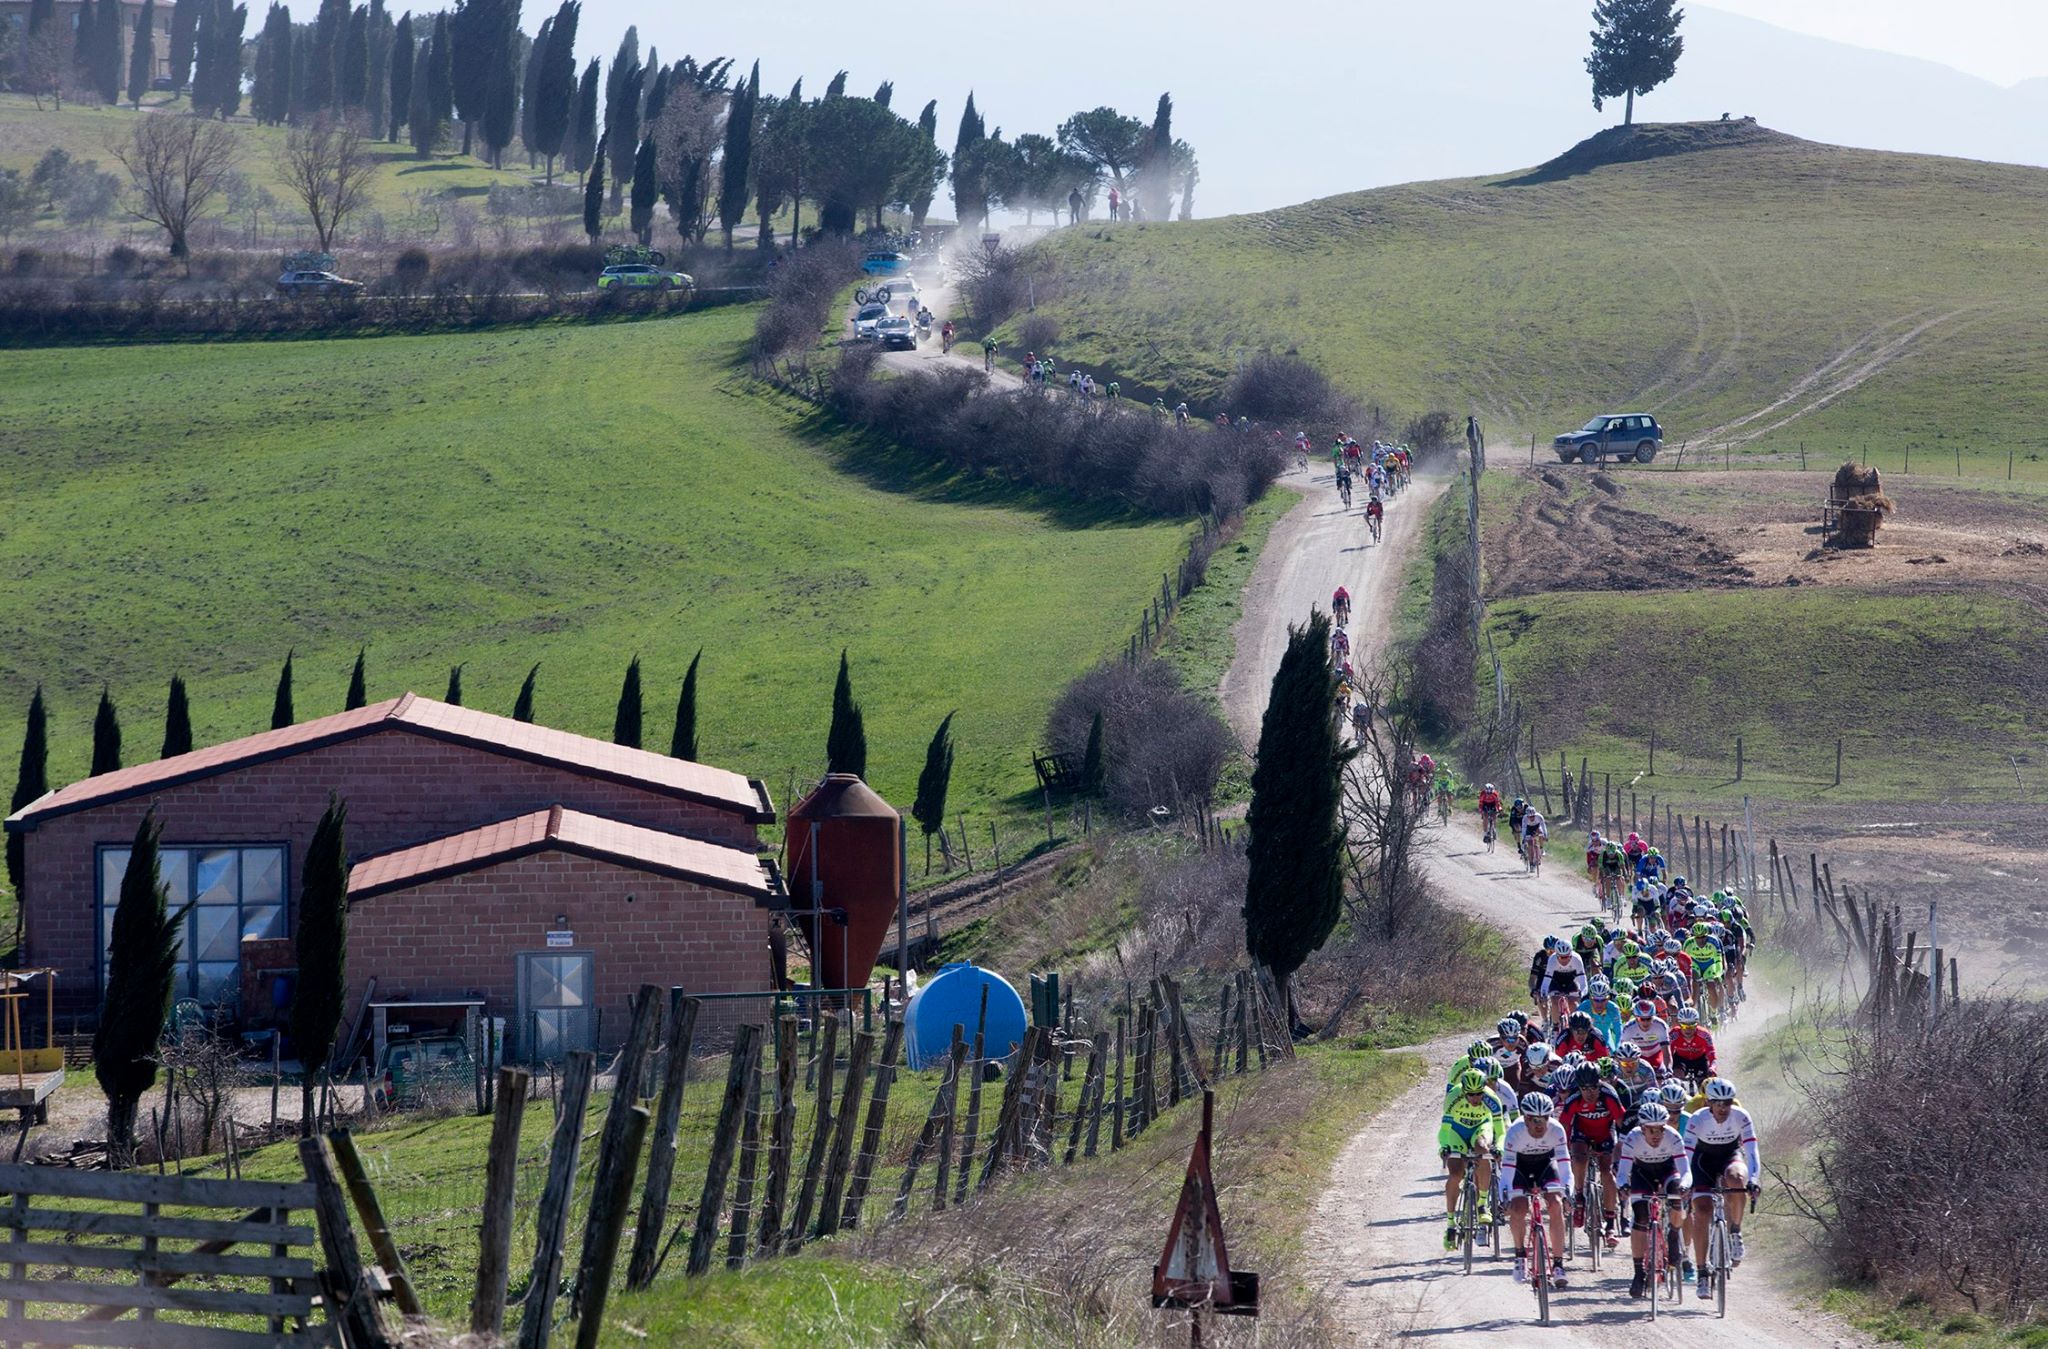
pixel 1626 435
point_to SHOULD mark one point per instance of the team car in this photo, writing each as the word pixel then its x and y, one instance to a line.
pixel 641 276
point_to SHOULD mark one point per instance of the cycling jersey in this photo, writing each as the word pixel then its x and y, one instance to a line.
pixel 1468 1124
pixel 1489 801
pixel 1516 814
pixel 1692 1048
pixel 1562 973
pixel 1597 1121
pixel 1634 969
pixel 1706 957
pixel 1533 1163
pixel 1644 1081
pixel 1589 949
pixel 1533 826
pixel 1711 1145
pixel 1651 1039
pixel 1644 1166
pixel 1606 1019
pixel 1650 868
pixel 1611 861
pixel 1593 1047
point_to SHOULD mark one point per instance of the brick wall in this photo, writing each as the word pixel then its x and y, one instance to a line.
pixel 461 936
pixel 402 788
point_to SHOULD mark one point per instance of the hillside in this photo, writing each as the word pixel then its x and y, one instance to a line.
pixel 570 495
pixel 1743 285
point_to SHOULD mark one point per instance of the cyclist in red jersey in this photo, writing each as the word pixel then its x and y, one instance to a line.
pixel 1592 1120
pixel 1579 1036
pixel 1692 1046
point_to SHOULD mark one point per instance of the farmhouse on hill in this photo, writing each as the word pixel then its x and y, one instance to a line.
pixel 542 874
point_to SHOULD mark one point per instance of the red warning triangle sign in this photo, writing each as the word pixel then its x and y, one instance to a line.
pixel 1194 1269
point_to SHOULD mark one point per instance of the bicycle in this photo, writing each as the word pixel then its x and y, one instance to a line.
pixel 1468 1213
pixel 1487 820
pixel 1532 854
pixel 1611 891
pixel 1539 1252
pixel 1344 491
pixel 1340 610
pixel 1443 806
pixel 1720 1265
pixel 1372 522
pixel 1665 1263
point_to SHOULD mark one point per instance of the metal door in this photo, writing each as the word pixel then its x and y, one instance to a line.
pixel 555 1000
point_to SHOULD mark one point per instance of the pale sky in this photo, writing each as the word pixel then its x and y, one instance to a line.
pixel 2004 41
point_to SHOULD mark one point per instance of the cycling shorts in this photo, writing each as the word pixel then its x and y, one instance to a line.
pixel 1542 1176
pixel 1478 1147
pixel 1649 1177
pixel 1685 1067
pixel 1709 1161
pixel 1598 1147
pixel 1564 983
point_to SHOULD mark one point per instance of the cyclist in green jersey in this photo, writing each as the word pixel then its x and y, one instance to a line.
pixel 1473 1126
pixel 1708 965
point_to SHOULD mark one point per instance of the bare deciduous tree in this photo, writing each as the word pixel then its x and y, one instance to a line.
pixel 42 64
pixel 325 165
pixel 177 165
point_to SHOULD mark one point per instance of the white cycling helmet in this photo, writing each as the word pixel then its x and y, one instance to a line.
pixel 1600 988
pixel 1720 1089
pixel 1654 1114
pixel 1536 1055
pixel 1672 1093
pixel 1536 1103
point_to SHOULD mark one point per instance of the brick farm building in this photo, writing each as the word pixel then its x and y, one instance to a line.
pixel 542 874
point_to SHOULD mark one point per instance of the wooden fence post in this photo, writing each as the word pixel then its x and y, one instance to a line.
pixel 871 1136
pixel 782 1135
pixel 350 1164
pixel 746 1049
pixel 1116 1117
pixel 842 1137
pixel 640 1033
pixel 1100 1049
pixel 1006 1118
pixel 501 1189
pixel 928 1136
pixel 357 1311
pixel 946 1125
pixel 661 1155
pixel 743 1188
pixel 821 1137
pixel 971 1134
pixel 608 1223
pixel 536 1320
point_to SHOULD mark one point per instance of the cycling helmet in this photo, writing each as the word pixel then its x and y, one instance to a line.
pixel 1592 835
pixel 1580 1021
pixel 1478 1049
pixel 1487 788
pixel 1688 1016
pixel 1644 1007
pixel 1629 948
pixel 1599 988
pixel 1471 1082
pixel 1699 929
pixel 1677 882
pixel 1519 1017
pixel 1589 930
pixel 1627 1053
pixel 1550 943
pixel 1520 802
pixel 1624 990
pixel 1655 853
pixel 1720 1089
pixel 1538 1105
pixel 1536 1055
pixel 1587 1076
pixel 1672 1093
pixel 1653 1114
pixel 1507 1028
pixel 1607 1068
pixel 1574 1059
pixel 1673 945
pixel 1490 1070
pixel 1725 916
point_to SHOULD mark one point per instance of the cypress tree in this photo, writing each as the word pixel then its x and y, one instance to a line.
pixel 529 90
pixel 377 94
pixel 142 52
pixel 836 86
pixel 83 42
pixel 221 54
pixel 271 100
pixel 107 32
pixel 330 28
pixel 1159 164
pixel 626 722
pixel 177 720
pixel 31 780
pixel 555 86
pixel 846 741
pixel 322 942
pixel 453 697
pixel 142 966
pixel 921 199
pixel 501 92
pixel 41 14
pixel 353 89
pixel 399 80
pixel 522 706
pixel 1092 775
pixel 683 744
pixel 1294 887
pixel 929 810
pixel 622 112
pixel 106 736
pixel 281 713
pixel 184 26
pixel 583 142
pixel 473 33
pixel 736 166
pixel 643 191
pixel 970 195
pixel 358 685
pixel 593 195
pixel 885 93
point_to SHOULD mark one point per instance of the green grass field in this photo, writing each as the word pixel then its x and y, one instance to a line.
pixel 566 495
pixel 26 132
pixel 1701 286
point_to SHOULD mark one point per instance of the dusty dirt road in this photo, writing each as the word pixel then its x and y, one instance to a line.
pixel 1377 1247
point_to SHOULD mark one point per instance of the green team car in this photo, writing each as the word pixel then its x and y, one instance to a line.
pixel 640 269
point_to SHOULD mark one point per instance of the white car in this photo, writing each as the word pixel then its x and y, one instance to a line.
pixel 866 320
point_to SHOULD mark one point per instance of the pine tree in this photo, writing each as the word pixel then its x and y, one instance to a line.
pixel 1092 772
pixel 281 713
pixel 399 81
pixel 358 684
pixel 970 189
pixel 642 219
pixel 1294 885
pixel 555 87
pixel 921 199
pixel 31 780
pixel 1158 182
pixel 106 736
pixel 353 83
pixel 626 721
pixel 846 741
pixel 622 112
pixel 453 697
pixel 737 163
pixel 593 195
pixel 1636 47
pixel 929 809
pixel 142 53
pixel 322 947
pixel 108 49
pixel 142 966
pixel 522 706
pixel 683 743
pixel 177 720
pixel 583 140
pixel 184 27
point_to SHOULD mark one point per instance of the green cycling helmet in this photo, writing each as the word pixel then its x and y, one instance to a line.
pixel 1699 929
pixel 1478 1050
pixel 1471 1082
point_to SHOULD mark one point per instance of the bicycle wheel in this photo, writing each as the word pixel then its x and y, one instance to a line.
pixel 1468 1213
pixel 1717 1256
pixel 1539 1255
pixel 1593 1229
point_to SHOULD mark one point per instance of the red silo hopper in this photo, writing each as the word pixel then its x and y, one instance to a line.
pixel 842 846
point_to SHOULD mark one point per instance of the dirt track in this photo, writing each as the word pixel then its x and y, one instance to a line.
pixel 1377 1239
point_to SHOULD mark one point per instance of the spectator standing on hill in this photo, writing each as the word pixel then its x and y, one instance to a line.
pixel 1116 204
pixel 988 353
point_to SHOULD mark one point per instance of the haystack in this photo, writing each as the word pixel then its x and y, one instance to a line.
pixel 1864 506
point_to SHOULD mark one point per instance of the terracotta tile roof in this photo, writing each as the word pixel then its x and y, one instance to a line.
pixel 436 720
pixel 572 831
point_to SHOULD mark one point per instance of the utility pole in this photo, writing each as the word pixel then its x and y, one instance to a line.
pixel 1475 444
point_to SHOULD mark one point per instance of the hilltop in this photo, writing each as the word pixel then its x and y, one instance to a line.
pixel 1743 284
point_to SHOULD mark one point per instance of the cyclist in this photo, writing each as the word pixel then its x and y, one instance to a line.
pixel 1614 865
pixel 1692 1047
pixel 1421 777
pixel 1653 1158
pixel 1516 810
pixel 1648 1034
pixel 1591 947
pixel 1361 719
pixel 1445 789
pixel 1526 1072
pixel 1635 1073
pixel 1602 1010
pixel 1592 1119
pixel 1629 963
pixel 1375 515
pixel 1474 1123
pixel 1489 810
pixel 946 338
pixel 1579 1037
pixel 1720 1144
pixel 1708 965
pixel 1650 866
pixel 1340 645
pixel 1562 973
pixel 1344 484
pixel 1643 909
pixel 1536 1160
pixel 1539 965
pixel 1340 606
pixel 1476 1053
pixel 1534 833
pixel 1593 846
pixel 988 353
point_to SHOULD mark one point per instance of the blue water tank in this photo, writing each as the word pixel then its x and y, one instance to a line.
pixel 952 997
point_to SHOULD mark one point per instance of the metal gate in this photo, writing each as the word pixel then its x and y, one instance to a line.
pixel 555 997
